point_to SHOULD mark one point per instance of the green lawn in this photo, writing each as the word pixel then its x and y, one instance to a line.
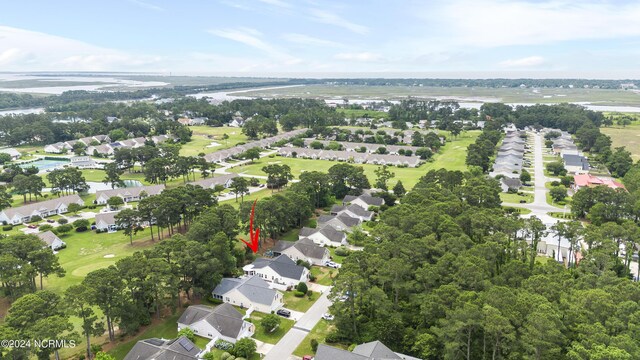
pixel 251 197
pixel 518 210
pixel 272 337
pixel 452 157
pixel 515 198
pixel 299 303
pixel 628 137
pixel 336 258
pixel 204 135
pixel 324 275
pixel 360 113
pixel 165 329
pixel 319 332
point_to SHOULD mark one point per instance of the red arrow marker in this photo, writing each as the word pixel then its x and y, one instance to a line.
pixel 254 237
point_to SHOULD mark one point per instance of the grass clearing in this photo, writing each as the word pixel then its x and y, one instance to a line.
pixel 335 258
pixel 363 113
pixel 628 137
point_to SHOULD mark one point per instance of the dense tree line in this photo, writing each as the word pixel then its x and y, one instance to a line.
pixel 481 152
pixel 447 274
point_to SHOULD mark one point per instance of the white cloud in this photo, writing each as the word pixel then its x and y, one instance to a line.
pixel 252 38
pixel 147 5
pixel 530 61
pixel 487 23
pixel 360 56
pixel 278 3
pixel 310 40
pixel 31 51
pixel 326 17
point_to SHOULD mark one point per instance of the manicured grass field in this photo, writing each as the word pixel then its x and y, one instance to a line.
pixel 299 303
pixel 628 137
pixel 361 113
pixel 86 252
pixel 272 337
pixel 452 157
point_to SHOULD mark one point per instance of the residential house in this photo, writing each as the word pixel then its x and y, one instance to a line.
pixel 102 138
pixel 184 121
pixel 51 240
pixel 507 183
pixel 157 349
pixel 128 194
pixel 364 201
pixel 575 164
pixel 581 181
pixel 57 148
pixel 43 209
pixel 342 222
pixel 237 121
pixel 327 236
pixel 159 139
pixel 223 322
pixel 304 249
pixel 374 350
pixel 198 121
pixel 106 221
pixel 212 182
pixel 83 162
pixel 103 150
pixel 15 154
pixel 279 271
pixel 353 210
pixel 251 292
pixel 111 119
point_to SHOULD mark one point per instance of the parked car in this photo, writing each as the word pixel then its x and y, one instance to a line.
pixel 332 264
pixel 50 221
pixel 32 226
pixel 284 313
pixel 328 317
pixel 307 357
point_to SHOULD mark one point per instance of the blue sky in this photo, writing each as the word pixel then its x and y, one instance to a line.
pixel 274 37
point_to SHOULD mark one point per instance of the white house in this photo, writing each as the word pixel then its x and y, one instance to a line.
pixel 211 182
pixel 51 240
pixel 15 154
pixel 326 236
pixel 252 292
pixel 279 271
pixel 342 222
pixel 100 150
pixel 304 249
pixel 106 221
pixel 128 194
pixel 43 209
pixel 56 148
pixel 222 322
pixel 83 162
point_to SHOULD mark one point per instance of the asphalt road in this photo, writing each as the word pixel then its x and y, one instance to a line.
pixel 290 341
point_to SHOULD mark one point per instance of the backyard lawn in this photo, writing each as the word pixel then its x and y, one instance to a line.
pixel 272 337
pixel 336 258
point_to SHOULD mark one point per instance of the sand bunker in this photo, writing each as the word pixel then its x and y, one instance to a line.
pixel 108 256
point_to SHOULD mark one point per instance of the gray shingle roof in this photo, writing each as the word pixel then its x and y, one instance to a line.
pixel 161 349
pixel 131 191
pixel 213 181
pixel 282 265
pixel 253 288
pixel 43 205
pixel 345 219
pixel 575 160
pixel 326 352
pixel 107 218
pixel 48 237
pixel 282 245
pixel 368 199
pixel 224 318
pixel 375 350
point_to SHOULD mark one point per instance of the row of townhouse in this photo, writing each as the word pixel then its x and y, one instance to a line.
pixel 60 147
pixel 105 148
pixel 350 156
pixel 510 160
pixel 55 206
pixel 370 148
pixel 574 161
pixel 222 155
